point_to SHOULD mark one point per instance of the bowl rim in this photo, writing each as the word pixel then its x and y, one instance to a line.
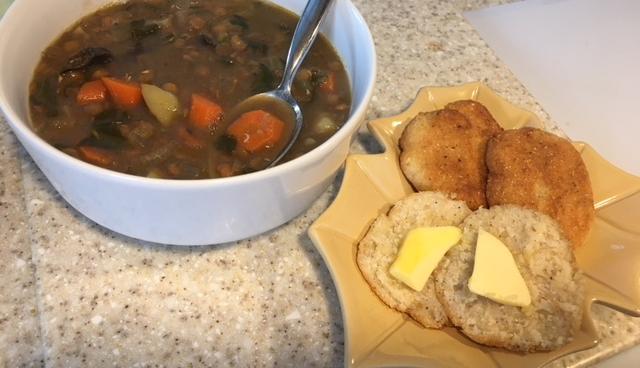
pixel 8 22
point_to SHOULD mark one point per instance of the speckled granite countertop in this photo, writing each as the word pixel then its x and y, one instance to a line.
pixel 74 294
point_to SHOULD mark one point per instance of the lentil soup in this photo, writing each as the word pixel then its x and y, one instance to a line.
pixel 142 87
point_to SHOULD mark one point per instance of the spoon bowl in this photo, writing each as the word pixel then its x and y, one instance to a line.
pixel 280 103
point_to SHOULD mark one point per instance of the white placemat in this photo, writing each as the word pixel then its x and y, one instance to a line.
pixel 581 61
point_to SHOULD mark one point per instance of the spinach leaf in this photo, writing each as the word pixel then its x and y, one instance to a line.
pixel 226 144
pixel 100 139
pixel 110 117
pixel 285 29
pixel 207 40
pixel 259 47
pixel 170 38
pixel 46 96
pixel 240 21
pixel 140 29
pixel 265 79
pixel 318 77
pixel 106 131
pixel 88 57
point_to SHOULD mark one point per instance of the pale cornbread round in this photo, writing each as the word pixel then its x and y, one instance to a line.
pixel 544 258
pixel 379 248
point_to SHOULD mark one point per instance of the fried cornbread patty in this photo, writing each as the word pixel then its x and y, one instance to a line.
pixel 477 114
pixel 444 151
pixel 543 172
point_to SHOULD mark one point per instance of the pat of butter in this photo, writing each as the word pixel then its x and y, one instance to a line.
pixel 421 251
pixel 495 273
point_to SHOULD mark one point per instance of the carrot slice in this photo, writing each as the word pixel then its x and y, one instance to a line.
pixel 125 95
pixel 189 140
pixel 256 130
pixel 96 156
pixel 204 112
pixel 329 84
pixel 91 92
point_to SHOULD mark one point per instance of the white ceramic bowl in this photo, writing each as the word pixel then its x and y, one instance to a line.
pixel 191 212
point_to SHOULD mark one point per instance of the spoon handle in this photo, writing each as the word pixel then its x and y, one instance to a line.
pixel 303 37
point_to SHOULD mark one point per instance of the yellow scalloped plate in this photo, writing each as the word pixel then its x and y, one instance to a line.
pixel 376 335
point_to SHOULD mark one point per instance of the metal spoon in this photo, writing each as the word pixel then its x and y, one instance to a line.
pixel 280 101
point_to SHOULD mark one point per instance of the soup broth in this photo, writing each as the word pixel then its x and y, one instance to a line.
pixel 142 87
